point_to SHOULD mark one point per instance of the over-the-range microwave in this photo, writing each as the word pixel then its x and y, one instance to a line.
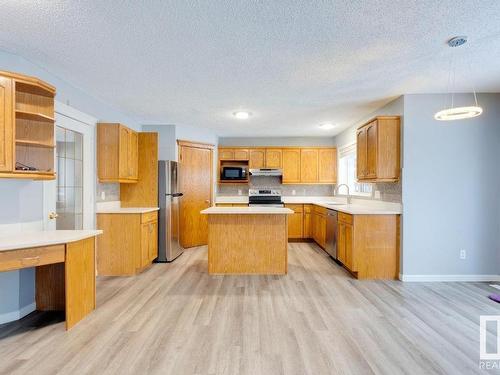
pixel 233 173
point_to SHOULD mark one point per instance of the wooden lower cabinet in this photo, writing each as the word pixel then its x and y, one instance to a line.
pixel 307 231
pixel 295 221
pixel 368 245
pixel 129 243
pixel 318 225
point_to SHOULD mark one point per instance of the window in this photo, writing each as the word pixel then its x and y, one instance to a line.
pixel 347 172
pixel 69 203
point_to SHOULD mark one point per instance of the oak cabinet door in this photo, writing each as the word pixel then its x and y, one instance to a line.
pixel 349 250
pixel 226 154
pixel 256 158
pixel 153 241
pixel 371 150
pixel 123 153
pixel 133 154
pixel 6 126
pixel 341 242
pixel 240 154
pixel 361 144
pixel 145 243
pixel 327 168
pixel 295 221
pixel 307 225
pixel 309 165
pixel 273 158
pixel 291 165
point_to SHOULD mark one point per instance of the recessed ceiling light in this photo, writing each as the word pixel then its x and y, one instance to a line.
pixel 327 126
pixel 242 115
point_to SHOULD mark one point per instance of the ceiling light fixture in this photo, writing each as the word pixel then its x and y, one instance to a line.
pixel 327 126
pixel 457 113
pixel 242 115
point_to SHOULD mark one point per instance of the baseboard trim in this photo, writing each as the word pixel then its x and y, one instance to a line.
pixel 449 278
pixel 18 314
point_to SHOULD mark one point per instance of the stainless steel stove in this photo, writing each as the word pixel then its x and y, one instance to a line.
pixel 265 198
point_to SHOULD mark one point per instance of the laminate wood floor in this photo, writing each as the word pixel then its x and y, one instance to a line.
pixel 176 319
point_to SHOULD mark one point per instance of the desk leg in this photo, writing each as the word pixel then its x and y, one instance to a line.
pixel 80 280
pixel 49 294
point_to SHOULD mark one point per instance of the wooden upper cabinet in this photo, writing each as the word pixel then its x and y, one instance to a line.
pixel 226 154
pixel 6 125
pixel 241 154
pixel 274 158
pixel 257 158
pixel 291 165
pixel 233 153
pixel 27 127
pixel 327 165
pixel 378 149
pixel 309 158
pixel 371 150
pixel 361 152
pixel 117 153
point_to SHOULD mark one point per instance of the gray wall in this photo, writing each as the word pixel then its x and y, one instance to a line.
pixel 21 202
pixel 451 185
pixel 166 140
pixel 276 141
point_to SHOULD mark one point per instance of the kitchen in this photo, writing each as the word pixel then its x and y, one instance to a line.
pixel 250 188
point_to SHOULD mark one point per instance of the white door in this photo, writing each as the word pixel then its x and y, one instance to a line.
pixel 69 200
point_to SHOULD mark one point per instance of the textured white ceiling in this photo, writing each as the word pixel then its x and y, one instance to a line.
pixel 294 64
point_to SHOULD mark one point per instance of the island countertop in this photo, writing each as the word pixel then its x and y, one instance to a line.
pixel 44 238
pixel 247 211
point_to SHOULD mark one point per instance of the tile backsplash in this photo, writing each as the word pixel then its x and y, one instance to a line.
pixel 111 192
pixel 275 182
pixel 389 192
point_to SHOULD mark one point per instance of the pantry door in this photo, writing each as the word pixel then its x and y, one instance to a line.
pixel 69 200
pixel 196 181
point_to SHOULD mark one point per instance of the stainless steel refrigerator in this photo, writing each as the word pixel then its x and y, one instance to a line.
pixel 169 247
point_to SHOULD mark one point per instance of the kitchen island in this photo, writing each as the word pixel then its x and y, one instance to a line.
pixel 247 240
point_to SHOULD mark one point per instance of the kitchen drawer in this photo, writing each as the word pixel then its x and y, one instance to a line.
pixel 297 208
pixel 308 208
pixel 345 218
pixel 320 210
pixel 149 216
pixel 25 258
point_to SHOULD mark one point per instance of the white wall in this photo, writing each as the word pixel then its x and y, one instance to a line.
pixel 451 187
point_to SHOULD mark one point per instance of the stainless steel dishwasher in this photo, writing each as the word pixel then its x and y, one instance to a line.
pixel 331 233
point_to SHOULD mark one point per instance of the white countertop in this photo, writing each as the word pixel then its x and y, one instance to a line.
pixel 126 210
pixel 247 210
pixel 26 240
pixel 357 207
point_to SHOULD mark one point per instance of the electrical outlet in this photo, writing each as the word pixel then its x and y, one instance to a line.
pixel 377 194
pixel 103 195
pixel 293 192
pixel 240 192
pixel 463 254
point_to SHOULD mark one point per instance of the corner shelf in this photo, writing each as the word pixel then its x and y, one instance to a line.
pixel 26 142
pixel 33 116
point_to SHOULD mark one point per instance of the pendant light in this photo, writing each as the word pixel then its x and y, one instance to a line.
pixel 458 113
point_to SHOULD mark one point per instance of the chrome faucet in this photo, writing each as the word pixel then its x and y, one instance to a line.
pixel 348 194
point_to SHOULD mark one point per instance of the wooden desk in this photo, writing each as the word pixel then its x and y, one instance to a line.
pixel 65 268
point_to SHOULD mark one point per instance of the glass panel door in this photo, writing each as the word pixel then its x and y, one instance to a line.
pixel 69 169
